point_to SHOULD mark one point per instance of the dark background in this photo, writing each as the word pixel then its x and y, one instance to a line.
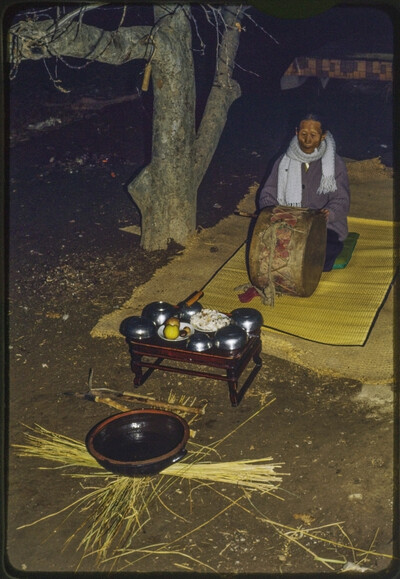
pixel 69 263
pixel 260 123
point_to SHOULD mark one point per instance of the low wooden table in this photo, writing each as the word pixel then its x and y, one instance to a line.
pixel 234 362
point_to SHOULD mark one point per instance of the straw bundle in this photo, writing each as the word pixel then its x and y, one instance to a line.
pixel 117 512
pixel 254 475
pixel 119 509
pixel 56 448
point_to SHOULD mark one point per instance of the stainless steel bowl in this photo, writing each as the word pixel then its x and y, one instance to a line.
pixel 186 312
pixel 199 343
pixel 159 312
pixel 231 337
pixel 249 319
pixel 137 328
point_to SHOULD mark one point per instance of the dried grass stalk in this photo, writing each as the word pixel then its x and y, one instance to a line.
pixel 257 475
pixel 117 512
pixel 55 447
pixel 121 508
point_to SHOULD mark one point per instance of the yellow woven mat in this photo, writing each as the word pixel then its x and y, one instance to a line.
pixel 345 304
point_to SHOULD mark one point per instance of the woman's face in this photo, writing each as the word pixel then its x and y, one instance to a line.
pixel 310 135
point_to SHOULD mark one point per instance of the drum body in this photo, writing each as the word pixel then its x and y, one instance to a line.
pixel 287 250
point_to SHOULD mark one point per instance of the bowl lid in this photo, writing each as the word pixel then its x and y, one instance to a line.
pixel 134 325
pixel 246 314
pixel 157 307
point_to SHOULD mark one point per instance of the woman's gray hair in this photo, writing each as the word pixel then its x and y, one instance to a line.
pixel 313 116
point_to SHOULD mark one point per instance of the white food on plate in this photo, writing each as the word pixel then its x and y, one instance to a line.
pixel 209 320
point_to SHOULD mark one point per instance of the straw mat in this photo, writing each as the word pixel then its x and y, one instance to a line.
pixel 345 304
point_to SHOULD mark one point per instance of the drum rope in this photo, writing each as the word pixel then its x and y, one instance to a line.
pixel 268 238
pixel 268 293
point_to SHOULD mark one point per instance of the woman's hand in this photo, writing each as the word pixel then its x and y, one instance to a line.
pixel 325 213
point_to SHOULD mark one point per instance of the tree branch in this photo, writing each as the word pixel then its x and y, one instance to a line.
pixel 224 92
pixel 34 42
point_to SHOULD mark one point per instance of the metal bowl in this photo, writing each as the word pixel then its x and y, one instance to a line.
pixel 138 442
pixel 249 319
pixel 186 312
pixel 159 312
pixel 199 343
pixel 231 337
pixel 137 328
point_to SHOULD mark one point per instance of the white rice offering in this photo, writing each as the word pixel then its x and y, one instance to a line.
pixel 209 320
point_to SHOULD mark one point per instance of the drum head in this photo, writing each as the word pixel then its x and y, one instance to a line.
pixel 313 256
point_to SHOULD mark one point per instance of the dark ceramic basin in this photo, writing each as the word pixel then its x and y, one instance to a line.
pixel 138 442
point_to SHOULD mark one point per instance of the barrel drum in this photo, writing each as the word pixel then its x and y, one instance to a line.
pixel 287 250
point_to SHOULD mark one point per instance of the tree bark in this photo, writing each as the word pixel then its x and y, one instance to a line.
pixel 43 39
pixel 166 190
pixel 224 92
pixel 163 190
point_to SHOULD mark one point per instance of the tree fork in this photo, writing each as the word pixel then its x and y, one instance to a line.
pixel 166 190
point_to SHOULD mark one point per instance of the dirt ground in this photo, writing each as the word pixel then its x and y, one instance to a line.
pixel 70 264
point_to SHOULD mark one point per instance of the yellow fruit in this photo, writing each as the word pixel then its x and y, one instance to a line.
pixel 172 322
pixel 171 332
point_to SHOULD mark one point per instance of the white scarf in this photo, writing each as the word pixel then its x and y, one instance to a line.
pixel 289 172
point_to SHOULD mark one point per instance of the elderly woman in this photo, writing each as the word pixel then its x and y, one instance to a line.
pixel 310 174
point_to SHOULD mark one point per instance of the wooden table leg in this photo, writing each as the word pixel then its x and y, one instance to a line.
pixel 136 369
pixel 233 376
pixel 232 385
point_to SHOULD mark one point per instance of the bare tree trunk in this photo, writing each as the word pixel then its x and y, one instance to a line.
pixel 166 190
pixel 163 191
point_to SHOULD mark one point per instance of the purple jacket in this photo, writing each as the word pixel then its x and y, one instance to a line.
pixel 338 202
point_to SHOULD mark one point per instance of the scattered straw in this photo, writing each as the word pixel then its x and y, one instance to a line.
pixel 56 448
pixel 118 510
pixel 188 401
pixel 294 535
pixel 156 551
pixel 117 513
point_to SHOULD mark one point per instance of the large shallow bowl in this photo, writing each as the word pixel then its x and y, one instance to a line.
pixel 249 319
pixel 137 328
pixel 138 442
pixel 159 312
pixel 230 338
